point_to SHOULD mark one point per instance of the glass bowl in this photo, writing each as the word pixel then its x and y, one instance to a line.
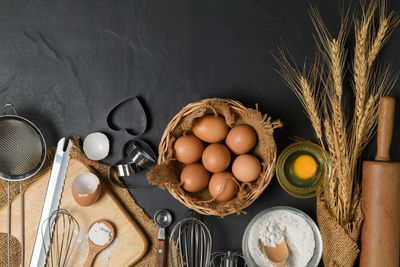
pixel 315 259
pixel 300 187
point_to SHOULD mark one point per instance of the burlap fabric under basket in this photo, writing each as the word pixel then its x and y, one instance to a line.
pixel 137 213
pixel 167 172
pixel 339 247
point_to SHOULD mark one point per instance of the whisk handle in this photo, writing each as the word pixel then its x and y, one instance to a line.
pixel 161 254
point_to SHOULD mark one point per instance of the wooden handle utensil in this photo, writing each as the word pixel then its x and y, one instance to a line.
pixel 278 255
pixel 385 128
pixel 96 249
pixel 380 203
pixel 161 258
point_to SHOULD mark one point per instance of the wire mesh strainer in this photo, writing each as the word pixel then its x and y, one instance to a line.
pixel 22 154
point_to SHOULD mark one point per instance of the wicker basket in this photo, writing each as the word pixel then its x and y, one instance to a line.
pixel 166 173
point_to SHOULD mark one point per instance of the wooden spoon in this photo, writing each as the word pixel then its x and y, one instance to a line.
pixel 96 249
pixel 276 255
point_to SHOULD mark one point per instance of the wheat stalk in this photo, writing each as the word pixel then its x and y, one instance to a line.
pixel 360 65
pixel 334 54
pixel 386 26
pixel 311 106
pixel 332 184
pixel 377 44
pixel 342 194
pixel 305 87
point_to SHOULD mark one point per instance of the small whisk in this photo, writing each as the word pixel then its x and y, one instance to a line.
pixel 65 231
pixel 227 259
pixel 190 243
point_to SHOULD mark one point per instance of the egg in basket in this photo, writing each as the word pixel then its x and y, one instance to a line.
pixel 216 156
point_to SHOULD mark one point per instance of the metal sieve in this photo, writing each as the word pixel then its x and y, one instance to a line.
pixel 22 154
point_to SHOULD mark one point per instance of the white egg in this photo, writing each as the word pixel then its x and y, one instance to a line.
pixel 96 146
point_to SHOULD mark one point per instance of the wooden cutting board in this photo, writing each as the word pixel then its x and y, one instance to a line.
pixel 129 245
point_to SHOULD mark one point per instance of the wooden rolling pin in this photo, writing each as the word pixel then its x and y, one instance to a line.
pixel 380 203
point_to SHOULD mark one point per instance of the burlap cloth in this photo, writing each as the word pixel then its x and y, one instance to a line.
pixel 137 213
pixel 339 247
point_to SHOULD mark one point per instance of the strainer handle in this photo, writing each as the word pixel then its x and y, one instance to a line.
pixel 9 106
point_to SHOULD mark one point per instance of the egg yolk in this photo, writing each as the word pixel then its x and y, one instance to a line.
pixel 305 167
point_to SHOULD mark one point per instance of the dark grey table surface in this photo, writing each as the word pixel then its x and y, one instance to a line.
pixel 65 64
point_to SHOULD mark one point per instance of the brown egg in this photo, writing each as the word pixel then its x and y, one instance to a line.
pixel 216 157
pixel 241 139
pixel 210 128
pixel 86 189
pixel 223 186
pixel 188 149
pixel 246 168
pixel 194 177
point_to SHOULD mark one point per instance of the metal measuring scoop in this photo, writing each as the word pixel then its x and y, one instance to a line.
pixel 162 219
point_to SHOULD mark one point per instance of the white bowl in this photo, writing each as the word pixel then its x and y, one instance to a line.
pixel 315 259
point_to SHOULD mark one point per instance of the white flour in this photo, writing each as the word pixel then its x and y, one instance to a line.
pixel 82 243
pixel 276 225
pixel 106 253
pixel 100 234
pixel 82 247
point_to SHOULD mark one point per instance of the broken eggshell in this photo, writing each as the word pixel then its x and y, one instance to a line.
pixel 86 189
pixel 96 146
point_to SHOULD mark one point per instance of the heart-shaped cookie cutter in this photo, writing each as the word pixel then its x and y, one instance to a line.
pixel 141 113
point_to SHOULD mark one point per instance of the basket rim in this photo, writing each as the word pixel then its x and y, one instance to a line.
pixel 266 176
